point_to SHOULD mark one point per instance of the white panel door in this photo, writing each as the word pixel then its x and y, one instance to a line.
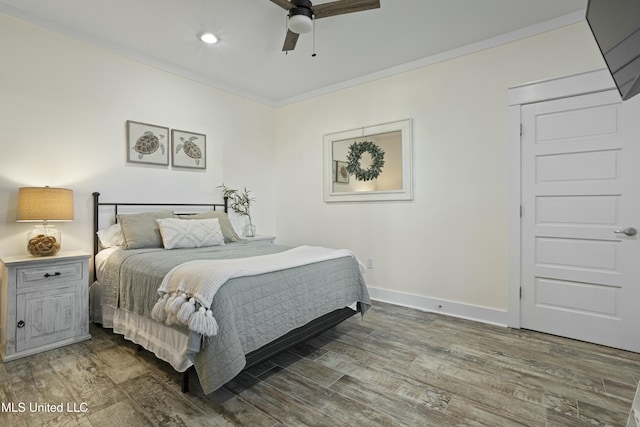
pixel 580 192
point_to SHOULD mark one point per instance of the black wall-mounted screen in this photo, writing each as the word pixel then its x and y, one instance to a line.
pixel 615 25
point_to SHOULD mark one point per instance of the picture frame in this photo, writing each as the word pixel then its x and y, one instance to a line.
pixel 188 149
pixel 341 173
pixel 147 143
pixel 394 182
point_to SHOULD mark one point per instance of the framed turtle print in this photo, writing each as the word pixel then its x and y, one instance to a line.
pixel 188 149
pixel 147 143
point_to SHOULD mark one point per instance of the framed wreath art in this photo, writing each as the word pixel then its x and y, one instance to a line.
pixel 354 157
pixel 378 157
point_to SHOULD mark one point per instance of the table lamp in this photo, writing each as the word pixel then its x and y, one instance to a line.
pixel 43 205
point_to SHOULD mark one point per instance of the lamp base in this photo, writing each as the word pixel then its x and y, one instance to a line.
pixel 43 240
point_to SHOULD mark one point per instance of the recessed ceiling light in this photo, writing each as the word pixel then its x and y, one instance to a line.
pixel 208 38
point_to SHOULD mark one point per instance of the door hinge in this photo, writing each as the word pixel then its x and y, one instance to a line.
pixel 521 129
pixel 520 211
pixel 520 292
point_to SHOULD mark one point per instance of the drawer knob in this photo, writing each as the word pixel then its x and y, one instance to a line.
pixel 57 273
pixel 21 324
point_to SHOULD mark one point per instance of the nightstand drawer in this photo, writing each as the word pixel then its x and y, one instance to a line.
pixel 258 240
pixel 49 274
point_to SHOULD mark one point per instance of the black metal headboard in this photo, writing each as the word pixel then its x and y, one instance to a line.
pixel 116 205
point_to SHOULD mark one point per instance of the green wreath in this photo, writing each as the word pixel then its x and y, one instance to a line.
pixel 353 158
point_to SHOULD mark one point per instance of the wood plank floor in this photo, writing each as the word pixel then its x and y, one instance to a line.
pixel 397 367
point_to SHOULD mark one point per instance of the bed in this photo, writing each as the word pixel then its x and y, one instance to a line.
pixel 266 297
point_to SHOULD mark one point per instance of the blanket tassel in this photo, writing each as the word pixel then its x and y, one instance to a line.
pixel 169 301
pixel 186 310
pixel 158 313
pixel 175 305
pixel 203 322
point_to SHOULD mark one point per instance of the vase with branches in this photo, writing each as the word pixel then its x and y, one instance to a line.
pixel 240 203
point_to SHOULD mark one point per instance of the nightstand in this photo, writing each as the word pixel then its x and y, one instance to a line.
pixel 44 303
pixel 258 240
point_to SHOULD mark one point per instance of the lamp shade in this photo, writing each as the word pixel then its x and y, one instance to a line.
pixel 37 204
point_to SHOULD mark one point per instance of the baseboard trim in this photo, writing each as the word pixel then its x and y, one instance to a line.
pixel 434 305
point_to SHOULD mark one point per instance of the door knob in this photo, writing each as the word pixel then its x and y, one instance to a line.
pixel 629 231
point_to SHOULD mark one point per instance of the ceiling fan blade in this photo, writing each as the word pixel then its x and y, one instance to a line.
pixel 286 5
pixel 343 6
pixel 290 41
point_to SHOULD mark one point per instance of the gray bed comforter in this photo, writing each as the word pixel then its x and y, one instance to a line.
pixel 251 311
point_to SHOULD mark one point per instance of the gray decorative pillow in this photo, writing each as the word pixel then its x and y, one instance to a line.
pixel 141 229
pixel 228 232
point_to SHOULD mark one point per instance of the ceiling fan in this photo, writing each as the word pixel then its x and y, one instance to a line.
pixel 302 13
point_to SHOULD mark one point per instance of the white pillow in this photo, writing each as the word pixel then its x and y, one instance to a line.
pixel 111 236
pixel 195 233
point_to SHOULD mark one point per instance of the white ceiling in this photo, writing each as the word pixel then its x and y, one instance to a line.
pixel 248 60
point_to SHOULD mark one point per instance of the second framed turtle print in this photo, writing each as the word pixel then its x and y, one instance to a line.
pixel 188 149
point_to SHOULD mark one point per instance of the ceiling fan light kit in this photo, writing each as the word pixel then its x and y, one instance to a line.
pixel 301 23
pixel 302 13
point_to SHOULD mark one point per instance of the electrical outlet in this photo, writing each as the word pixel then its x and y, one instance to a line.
pixel 370 263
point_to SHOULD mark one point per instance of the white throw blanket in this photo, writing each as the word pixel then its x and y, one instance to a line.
pixel 187 291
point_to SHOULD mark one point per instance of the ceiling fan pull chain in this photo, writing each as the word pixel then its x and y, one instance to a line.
pixel 286 27
pixel 313 55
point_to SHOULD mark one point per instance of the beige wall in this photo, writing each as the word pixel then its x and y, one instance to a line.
pixel 63 108
pixel 450 242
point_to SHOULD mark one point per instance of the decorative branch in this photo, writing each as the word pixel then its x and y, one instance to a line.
pixel 240 200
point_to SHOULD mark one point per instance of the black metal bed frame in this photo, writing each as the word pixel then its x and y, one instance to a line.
pixel 269 350
pixel 97 203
